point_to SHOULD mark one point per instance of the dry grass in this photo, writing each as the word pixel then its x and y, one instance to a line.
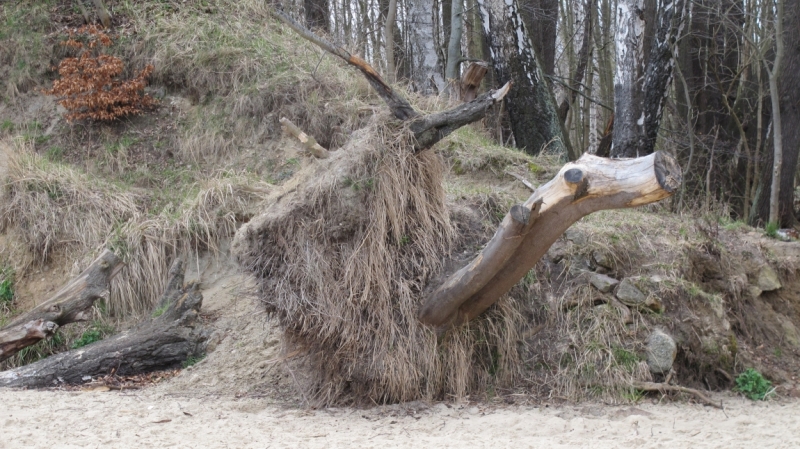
pixel 56 208
pixel 343 263
pixel 25 52
pixel 247 71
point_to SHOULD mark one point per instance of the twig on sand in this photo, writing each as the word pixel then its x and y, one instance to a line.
pixel 664 387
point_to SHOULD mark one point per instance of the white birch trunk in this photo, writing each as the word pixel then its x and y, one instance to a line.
pixel 629 79
pixel 426 69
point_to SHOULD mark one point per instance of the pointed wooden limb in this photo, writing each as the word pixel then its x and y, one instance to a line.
pixel 309 142
pixel 15 338
pixel 70 304
pixel 399 105
pixel 432 128
pixel 522 180
pixel 427 129
pixel 75 300
pixel 443 304
pixel 169 337
pixel 588 185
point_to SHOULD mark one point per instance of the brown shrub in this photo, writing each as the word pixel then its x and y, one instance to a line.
pixel 90 87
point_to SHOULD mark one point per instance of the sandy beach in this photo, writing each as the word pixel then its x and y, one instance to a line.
pixel 150 419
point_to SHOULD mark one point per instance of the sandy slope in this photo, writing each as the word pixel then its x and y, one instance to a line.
pixel 148 419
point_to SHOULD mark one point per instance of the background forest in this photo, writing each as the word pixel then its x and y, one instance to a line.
pixel 711 71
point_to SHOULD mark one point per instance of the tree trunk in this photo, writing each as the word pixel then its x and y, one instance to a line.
pixel 659 70
pixel 777 125
pixel 317 14
pixel 629 132
pixel 454 45
pixel 789 108
pixel 531 106
pixel 71 304
pixel 580 70
pixel 640 89
pixel 541 17
pixel 580 188
pixel 426 69
pixel 388 36
pixel 162 342
pixel 471 80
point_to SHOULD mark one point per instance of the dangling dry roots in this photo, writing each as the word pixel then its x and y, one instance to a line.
pixel 342 261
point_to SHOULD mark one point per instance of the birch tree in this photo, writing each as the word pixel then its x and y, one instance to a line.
pixel 640 88
pixel 426 69
pixel 531 105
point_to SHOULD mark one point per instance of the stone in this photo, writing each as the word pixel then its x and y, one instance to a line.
pixel 768 279
pixel 575 236
pixel 629 294
pixel 654 304
pixel 754 291
pixel 790 333
pixel 603 283
pixel 661 352
pixel 603 259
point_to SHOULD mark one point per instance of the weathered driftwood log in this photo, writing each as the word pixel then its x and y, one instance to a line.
pixel 15 338
pixel 164 341
pixel 588 185
pixel 427 129
pixel 71 304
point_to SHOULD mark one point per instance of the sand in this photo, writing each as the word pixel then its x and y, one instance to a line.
pixel 149 419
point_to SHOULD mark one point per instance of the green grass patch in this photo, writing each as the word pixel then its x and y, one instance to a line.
pixel 624 358
pixel 771 230
pixel 192 360
pixel 754 385
pixel 160 310
pixel 96 332
pixel 6 286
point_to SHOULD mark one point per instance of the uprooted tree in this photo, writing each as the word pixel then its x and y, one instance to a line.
pixel 355 255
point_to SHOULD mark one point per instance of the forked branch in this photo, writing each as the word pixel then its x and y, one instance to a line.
pixel 427 129
pixel 588 185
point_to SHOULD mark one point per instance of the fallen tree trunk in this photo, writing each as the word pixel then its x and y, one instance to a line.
pixel 15 338
pixel 588 185
pixel 71 304
pixel 162 342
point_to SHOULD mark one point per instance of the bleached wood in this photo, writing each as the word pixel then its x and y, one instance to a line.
pixel 588 185
pixel 72 303
pixel 14 338
pixel 309 142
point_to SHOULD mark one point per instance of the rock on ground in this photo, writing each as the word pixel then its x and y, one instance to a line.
pixel 661 352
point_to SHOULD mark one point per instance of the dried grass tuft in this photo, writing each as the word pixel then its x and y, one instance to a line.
pixel 58 209
pixel 343 261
